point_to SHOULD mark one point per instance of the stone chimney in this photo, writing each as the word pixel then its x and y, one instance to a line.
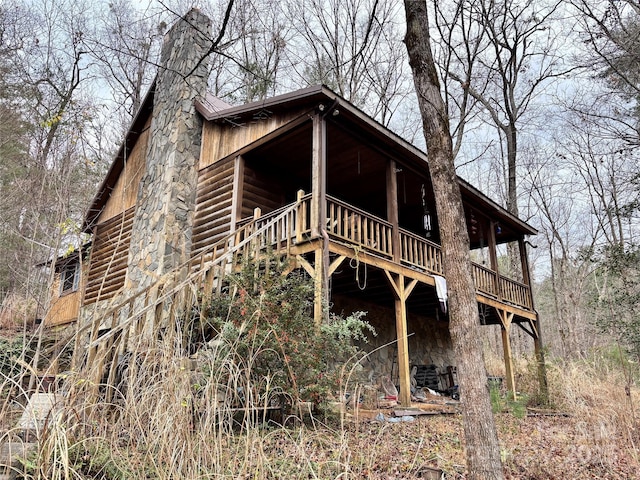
pixel 162 226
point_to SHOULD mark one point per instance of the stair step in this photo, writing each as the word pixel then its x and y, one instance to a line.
pixel 40 408
pixel 10 455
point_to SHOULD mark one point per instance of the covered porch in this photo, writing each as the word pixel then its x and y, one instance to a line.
pixel 370 202
pixel 361 256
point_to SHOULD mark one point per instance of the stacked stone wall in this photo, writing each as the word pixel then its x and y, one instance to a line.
pixel 429 339
pixel 161 237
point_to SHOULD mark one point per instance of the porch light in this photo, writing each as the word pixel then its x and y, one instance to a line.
pixel 498 229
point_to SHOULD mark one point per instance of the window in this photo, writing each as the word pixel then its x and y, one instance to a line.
pixel 69 277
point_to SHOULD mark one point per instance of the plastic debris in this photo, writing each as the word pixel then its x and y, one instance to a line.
pixel 380 417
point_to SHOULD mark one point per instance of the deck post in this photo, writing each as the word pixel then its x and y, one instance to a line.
pixel 319 177
pixel 403 350
pixel 506 319
pixel 402 292
pixel 319 214
pixel 237 193
pixel 319 287
pixel 300 216
pixel 493 257
pixel 392 208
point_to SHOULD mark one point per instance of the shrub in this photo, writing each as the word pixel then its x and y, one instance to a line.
pixel 264 324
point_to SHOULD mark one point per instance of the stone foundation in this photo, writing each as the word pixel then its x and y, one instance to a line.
pixel 429 339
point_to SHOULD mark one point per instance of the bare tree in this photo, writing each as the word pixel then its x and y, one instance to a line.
pixel 568 233
pixel 55 119
pixel 483 451
pixel 610 34
pixel 504 56
pixel 125 43
pixel 352 47
pixel 256 47
pixel 460 43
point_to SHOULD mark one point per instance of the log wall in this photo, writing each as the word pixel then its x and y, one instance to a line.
pixel 214 195
pixel 260 192
pixel 108 263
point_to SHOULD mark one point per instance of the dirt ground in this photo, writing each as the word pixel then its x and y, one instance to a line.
pixel 537 446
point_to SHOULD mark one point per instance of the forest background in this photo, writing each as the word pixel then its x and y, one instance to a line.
pixel 542 97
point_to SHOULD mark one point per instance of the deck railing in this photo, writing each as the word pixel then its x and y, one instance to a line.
pixel 420 253
pixel 143 315
pixel 363 230
pixel 515 292
pixel 485 279
pixel 373 234
pixel 358 227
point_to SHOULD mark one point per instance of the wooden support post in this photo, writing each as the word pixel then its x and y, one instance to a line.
pixel 493 257
pixel 318 176
pixel 238 191
pixel 543 386
pixel 300 216
pixel 392 208
pixel 402 292
pixel 319 302
pixel 403 352
pixel 319 215
pixel 506 319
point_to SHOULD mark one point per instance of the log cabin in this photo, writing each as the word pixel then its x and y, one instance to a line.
pixel 198 184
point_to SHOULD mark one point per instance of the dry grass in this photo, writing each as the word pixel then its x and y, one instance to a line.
pixel 169 420
pixel 13 309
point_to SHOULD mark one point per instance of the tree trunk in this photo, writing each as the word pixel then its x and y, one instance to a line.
pixel 512 149
pixel 482 449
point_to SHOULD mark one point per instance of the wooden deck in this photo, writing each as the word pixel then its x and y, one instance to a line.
pixel 349 234
pixel 355 233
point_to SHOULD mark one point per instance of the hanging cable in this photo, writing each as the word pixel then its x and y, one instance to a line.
pixel 356 267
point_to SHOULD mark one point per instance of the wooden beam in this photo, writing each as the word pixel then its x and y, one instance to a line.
pixel 403 352
pixel 306 265
pixel 318 297
pixel 300 216
pixel 537 339
pixel 392 281
pixel 493 255
pixel 402 292
pixel 336 263
pixel 524 261
pixel 409 288
pixel 506 318
pixel 533 332
pixel 498 305
pixel 318 176
pixel 392 208
pixel 238 188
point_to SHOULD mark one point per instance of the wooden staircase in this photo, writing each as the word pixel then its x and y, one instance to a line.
pixel 139 319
